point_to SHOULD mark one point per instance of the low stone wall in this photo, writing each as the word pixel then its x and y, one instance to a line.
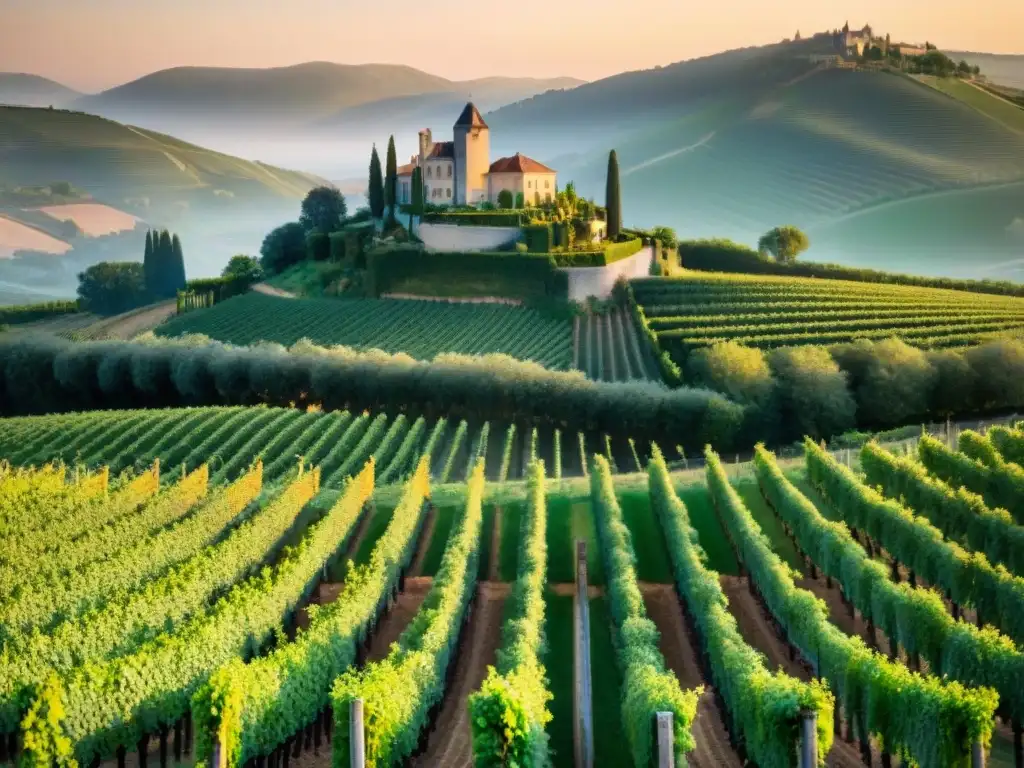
pixel 598 281
pixel 454 237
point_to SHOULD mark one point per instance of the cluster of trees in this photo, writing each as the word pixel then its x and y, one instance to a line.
pixel 112 287
pixel 821 391
pixel 163 265
pixel 322 213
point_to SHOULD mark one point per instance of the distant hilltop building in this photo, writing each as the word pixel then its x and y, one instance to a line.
pixel 851 42
pixel 460 172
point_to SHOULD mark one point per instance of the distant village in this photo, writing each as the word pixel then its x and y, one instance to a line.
pixel 850 48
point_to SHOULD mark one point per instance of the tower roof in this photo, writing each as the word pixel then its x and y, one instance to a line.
pixel 470 118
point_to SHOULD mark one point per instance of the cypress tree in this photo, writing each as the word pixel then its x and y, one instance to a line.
pixel 376 189
pixel 149 265
pixel 178 262
pixel 165 265
pixel 613 197
pixel 391 178
pixel 417 195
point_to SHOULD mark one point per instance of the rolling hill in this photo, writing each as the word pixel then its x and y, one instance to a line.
pixel 880 169
pixel 285 96
pixel 120 164
pixel 17 88
pixel 219 205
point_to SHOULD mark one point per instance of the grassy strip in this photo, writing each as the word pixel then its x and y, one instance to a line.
pixel 648 687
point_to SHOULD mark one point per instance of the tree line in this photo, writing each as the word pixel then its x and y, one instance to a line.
pixel 112 287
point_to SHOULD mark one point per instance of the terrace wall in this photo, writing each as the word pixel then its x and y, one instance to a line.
pixel 455 237
pixel 598 281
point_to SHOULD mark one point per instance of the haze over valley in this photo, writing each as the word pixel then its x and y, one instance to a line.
pixel 887 170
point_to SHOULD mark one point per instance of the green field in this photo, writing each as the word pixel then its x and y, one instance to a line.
pixel 422 329
pixel 1000 110
pixel 700 309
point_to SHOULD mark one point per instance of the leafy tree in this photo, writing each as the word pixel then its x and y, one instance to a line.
pixel 323 209
pixel 975 70
pixel 613 197
pixel 505 199
pixel 784 244
pixel 391 180
pixel 243 266
pixel 666 235
pixel 521 200
pixel 283 247
pixel 891 381
pixel 110 287
pixel 376 188
pixel 963 67
pixel 813 397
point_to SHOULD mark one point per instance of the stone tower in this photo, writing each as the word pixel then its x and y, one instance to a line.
pixel 426 144
pixel 472 156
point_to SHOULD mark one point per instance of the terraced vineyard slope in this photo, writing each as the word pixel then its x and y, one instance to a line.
pixel 700 309
pixel 422 329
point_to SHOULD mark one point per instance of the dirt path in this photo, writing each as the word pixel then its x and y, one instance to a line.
pixel 569 590
pixel 709 732
pixel 494 566
pixel 423 545
pixel 268 290
pixel 760 635
pixel 130 324
pixel 450 740
pixel 394 622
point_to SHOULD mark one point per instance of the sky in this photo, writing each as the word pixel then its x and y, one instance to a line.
pixel 95 44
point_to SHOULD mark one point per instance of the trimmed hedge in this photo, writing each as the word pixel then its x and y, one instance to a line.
pixel 44 374
pixel 221 287
pixel 506 273
pixel 727 256
pixel 539 237
pixel 498 218
pixel 27 313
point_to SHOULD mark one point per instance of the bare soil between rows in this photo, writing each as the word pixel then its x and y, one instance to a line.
pixel 450 742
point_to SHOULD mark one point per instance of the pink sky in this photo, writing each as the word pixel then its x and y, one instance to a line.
pixel 95 44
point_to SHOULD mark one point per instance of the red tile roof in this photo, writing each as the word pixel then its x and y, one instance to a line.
pixel 406 170
pixel 443 149
pixel 470 118
pixel 519 163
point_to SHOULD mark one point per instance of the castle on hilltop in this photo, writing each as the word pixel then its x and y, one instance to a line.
pixel 853 42
pixel 460 172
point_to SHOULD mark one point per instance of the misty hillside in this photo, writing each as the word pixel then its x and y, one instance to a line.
pixel 278 96
pixel 881 169
pixel 19 89
pixel 437 110
pixel 120 164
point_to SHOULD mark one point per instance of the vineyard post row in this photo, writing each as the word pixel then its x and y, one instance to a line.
pixel 934 721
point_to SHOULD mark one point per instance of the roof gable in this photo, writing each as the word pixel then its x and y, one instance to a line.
pixel 443 150
pixel 519 163
pixel 470 118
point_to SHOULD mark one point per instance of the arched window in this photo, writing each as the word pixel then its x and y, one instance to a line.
pixel 428 171
pixel 449 170
pixel 449 192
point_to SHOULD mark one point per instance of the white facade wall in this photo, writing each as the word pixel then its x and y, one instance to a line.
pixel 439 180
pixel 599 281
pixel 453 237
